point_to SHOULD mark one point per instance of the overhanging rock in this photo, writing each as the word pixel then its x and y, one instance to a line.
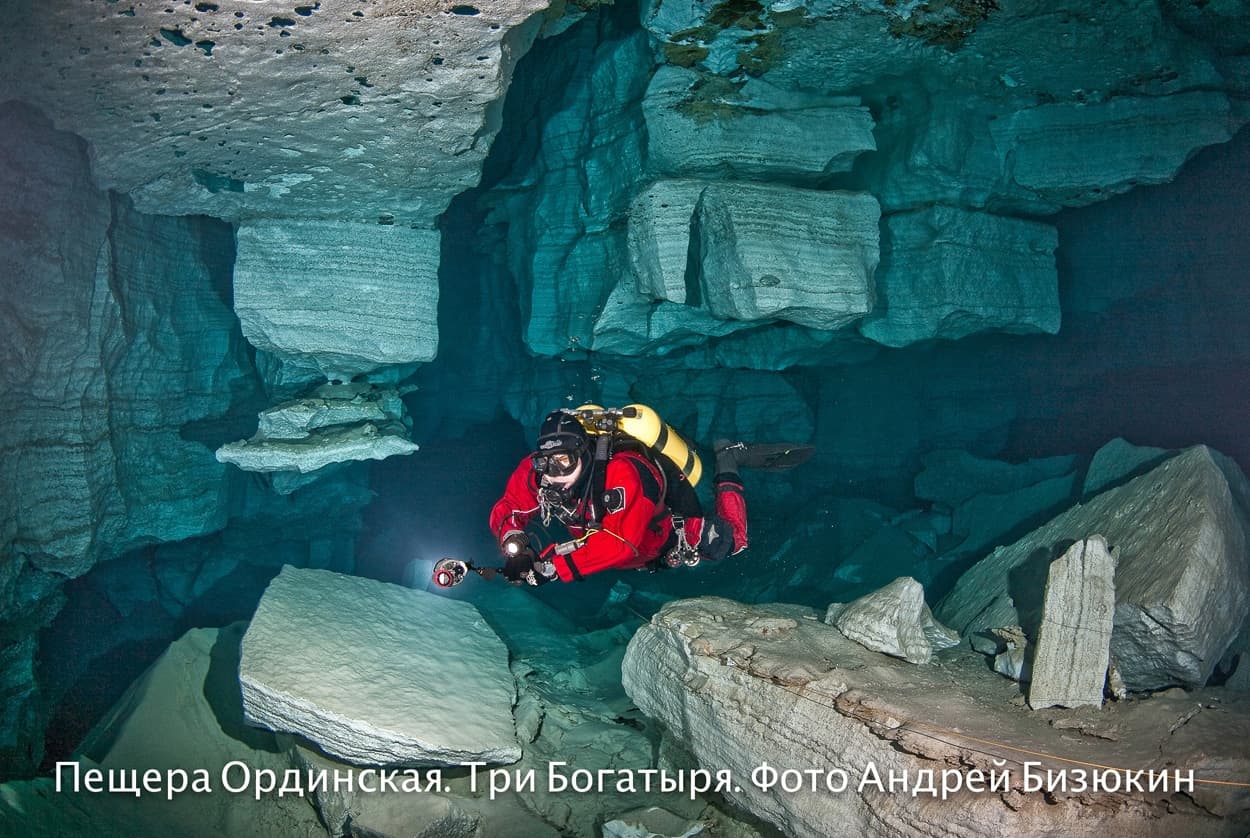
pixel 1075 153
pixel 703 125
pixel 740 686
pixel 347 298
pixel 950 273
pixel 377 674
pixel 1182 584
pixel 336 423
pixel 376 109
pixel 801 255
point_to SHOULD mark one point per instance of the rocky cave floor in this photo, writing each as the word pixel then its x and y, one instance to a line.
pixel 813 697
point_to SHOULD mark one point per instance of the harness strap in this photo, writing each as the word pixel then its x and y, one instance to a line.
pixel 550 554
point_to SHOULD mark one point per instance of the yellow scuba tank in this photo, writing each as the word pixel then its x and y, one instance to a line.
pixel 645 425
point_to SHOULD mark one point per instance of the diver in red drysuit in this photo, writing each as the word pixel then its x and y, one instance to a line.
pixel 630 525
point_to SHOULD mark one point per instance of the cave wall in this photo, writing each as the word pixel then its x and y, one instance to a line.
pixel 883 228
pixel 107 312
pixel 125 367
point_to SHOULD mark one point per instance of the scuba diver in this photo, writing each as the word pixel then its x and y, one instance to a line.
pixel 621 483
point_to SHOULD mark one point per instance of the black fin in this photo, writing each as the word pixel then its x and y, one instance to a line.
pixel 778 456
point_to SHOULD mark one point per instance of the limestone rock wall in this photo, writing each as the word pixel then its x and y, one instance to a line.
pixel 108 311
pixel 751 131
pixel 564 232
pixel 102 326
pixel 343 297
pixel 950 273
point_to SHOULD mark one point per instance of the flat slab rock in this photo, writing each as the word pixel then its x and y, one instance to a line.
pixel 377 674
pixel 1074 640
pixel 742 685
pixel 319 449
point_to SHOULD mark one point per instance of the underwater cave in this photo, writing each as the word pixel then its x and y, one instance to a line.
pixel 630 419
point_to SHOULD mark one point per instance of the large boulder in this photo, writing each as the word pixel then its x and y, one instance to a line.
pixel 377 674
pixel 182 715
pixel 742 686
pixel 949 273
pixel 345 297
pixel 1182 581
pixel 776 252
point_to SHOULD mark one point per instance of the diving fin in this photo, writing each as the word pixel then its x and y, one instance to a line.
pixel 766 456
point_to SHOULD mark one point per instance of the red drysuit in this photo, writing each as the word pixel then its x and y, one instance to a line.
pixel 632 533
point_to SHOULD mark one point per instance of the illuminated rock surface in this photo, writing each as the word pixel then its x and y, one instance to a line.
pixel 241 111
pixel 343 297
pixel 1074 638
pixel 338 423
pixel 739 686
pixel 894 620
pixel 1182 586
pixel 383 689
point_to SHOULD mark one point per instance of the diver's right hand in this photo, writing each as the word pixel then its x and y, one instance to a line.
pixel 517 565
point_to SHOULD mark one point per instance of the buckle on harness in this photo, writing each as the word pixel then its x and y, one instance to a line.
pixel 683 553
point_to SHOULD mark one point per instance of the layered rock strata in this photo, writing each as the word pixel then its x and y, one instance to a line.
pixel 772 252
pixel 337 423
pixel 740 686
pixel 950 273
pixel 1074 639
pixel 1182 583
pixel 346 298
pixel 750 132
pixel 106 312
pixel 389 689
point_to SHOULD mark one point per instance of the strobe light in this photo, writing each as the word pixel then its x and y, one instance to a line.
pixel 450 572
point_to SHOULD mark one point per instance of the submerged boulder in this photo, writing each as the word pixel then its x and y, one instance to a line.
pixel 1074 639
pixel 337 423
pixel 1182 582
pixel 377 674
pixel 894 620
pixel 739 686
pixel 181 715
